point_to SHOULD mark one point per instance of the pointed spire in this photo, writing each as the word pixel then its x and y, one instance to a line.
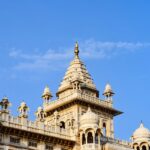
pixel 141 124
pixel 76 50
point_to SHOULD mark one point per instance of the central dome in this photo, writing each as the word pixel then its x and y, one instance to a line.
pixel 141 132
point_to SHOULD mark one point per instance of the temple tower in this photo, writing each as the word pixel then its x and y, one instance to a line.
pixel 77 96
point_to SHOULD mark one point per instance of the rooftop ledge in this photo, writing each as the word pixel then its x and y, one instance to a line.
pixel 34 127
pixel 79 96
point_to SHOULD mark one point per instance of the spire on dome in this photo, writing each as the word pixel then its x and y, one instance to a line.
pixel 76 50
pixel 141 125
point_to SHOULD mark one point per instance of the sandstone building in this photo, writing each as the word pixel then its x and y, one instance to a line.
pixel 77 120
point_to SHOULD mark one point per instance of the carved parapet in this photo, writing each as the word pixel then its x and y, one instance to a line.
pixel 78 95
pixel 123 143
pixel 34 126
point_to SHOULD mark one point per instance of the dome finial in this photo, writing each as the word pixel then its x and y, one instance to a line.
pixel 76 50
pixel 141 124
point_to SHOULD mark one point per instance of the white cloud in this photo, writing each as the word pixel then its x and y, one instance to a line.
pixel 98 49
pixel 54 59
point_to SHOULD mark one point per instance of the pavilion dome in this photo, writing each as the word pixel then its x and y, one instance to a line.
pixel 89 119
pixel 141 132
pixel 108 90
pixel 47 91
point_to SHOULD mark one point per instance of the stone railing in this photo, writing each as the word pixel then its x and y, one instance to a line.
pixel 35 127
pixel 93 99
pixel 103 141
pixel 115 141
pixel 77 94
pixel 90 146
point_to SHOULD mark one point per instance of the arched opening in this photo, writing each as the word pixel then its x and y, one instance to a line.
pixel 138 148
pixel 143 147
pixel 83 139
pixel 96 138
pixel 135 145
pixel 62 125
pixel 104 129
pixel 90 138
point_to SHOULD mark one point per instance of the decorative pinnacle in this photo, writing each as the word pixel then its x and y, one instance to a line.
pixel 76 50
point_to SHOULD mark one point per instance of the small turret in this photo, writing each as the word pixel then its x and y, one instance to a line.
pixel 5 104
pixel 23 110
pixel 40 114
pixel 108 92
pixel 46 95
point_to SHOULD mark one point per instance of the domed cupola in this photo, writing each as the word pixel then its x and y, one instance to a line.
pixel 141 138
pixel 89 130
pixel 89 120
pixel 108 92
pixel 141 134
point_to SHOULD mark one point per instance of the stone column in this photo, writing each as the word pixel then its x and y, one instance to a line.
pixel 108 128
pixel 24 142
pixel 57 147
pixel 99 136
pixel 85 138
pixel 141 148
pixel 41 145
pixel 93 133
pixel 81 138
pixel 112 128
pixel 6 147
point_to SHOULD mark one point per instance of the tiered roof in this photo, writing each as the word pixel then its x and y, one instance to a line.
pixel 77 72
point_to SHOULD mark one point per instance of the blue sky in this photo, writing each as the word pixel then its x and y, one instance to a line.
pixel 36 46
